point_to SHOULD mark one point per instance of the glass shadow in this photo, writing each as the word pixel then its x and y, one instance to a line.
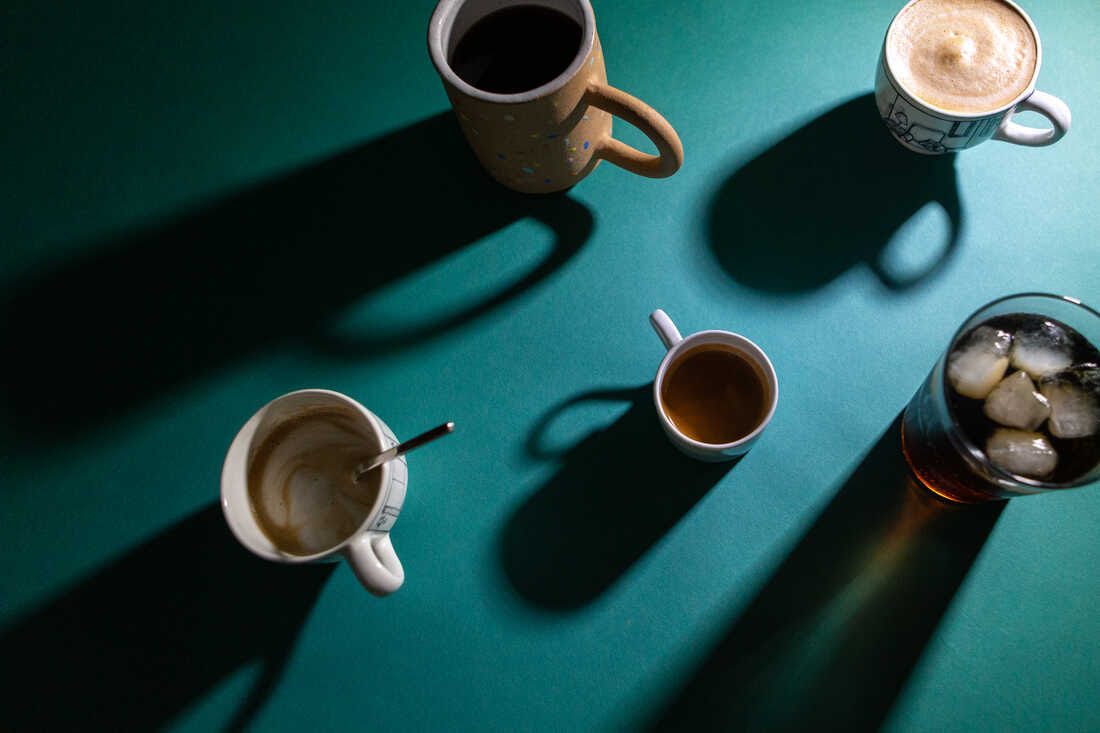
pixel 132 646
pixel 615 493
pixel 836 631
pixel 271 266
pixel 826 198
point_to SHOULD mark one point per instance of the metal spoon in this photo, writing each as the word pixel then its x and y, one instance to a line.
pixel 388 455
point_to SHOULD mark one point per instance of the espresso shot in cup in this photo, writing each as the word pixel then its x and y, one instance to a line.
pixel 952 73
pixel 715 391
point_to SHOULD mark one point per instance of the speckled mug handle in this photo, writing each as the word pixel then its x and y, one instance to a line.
pixel 646 119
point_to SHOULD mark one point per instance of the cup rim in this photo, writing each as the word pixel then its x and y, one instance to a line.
pixel 973 450
pixel 953 114
pixel 701 338
pixel 443 17
pixel 242 442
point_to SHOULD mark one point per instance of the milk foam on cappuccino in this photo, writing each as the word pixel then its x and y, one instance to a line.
pixel 967 56
pixel 301 481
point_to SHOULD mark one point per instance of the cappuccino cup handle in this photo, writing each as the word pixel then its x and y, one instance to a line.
pixel 665 328
pixel 374 562
pixel 1048 106
pixel 646 119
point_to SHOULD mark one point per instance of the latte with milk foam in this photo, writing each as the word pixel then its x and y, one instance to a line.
pixel 963 56
pixel 301 481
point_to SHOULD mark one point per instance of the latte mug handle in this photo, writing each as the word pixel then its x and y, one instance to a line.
pixel 374 562
pixel 665 328
pixel 646 119
pixel 1048 106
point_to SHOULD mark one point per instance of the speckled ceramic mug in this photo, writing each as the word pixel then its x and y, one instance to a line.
pixel 548 138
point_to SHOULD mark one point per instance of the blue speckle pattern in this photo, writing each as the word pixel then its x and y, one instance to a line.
pixel 500 155
pixel 527 170
pixel 586 145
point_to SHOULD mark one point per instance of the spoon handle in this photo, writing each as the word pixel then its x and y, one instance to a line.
pixel 401 448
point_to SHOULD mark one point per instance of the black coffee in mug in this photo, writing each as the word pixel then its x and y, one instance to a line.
pixel 715 394
pixel 516 48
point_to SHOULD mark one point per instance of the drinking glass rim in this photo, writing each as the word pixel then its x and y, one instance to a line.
pixel 443 20
pixel 952 114
pixel 957 433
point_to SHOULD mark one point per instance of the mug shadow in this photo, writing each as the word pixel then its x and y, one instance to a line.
pixel 132 646
pixel 836 631
pixel 272 266
pixel 828 197
pixel 616 492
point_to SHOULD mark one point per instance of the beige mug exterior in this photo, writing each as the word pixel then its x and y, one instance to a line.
pixel 548 138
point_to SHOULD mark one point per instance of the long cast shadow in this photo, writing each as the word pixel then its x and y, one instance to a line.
pixel 272 266
pixel 826 198
pixel 836 631
pixel 616 492
pixel 134 645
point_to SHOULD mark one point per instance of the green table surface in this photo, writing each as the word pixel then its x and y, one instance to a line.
pixel 204 205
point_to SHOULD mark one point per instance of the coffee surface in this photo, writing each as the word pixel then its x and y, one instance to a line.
pixel 715 394
pixel 968 56
pixel 301 481
pixel 516 48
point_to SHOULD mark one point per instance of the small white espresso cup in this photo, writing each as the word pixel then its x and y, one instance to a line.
pixel 677 345
pixel 368 550
pixel 927 129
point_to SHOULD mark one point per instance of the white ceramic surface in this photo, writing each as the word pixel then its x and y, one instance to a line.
pixel 927 129
pixel 368 551
pixel 676 345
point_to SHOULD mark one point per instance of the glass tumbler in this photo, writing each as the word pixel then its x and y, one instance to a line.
pixel 941 454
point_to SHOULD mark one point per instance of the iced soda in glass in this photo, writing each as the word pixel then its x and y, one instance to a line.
pixel 1012 407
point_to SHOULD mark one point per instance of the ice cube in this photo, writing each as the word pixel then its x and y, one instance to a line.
pixel 976 366
pixel 1021 452
pixel 1014 403
pixel 1041 348
pixel 1074 396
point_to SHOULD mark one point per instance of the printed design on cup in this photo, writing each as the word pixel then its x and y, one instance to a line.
pixel 932 134
pixel 385 519
pixel 919 129
pixel 399 479
pixel 925 132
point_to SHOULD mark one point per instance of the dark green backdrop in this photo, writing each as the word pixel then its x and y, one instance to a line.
pixel 206 204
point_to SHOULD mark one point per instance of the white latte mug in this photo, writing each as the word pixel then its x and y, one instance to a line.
pixel 368 550
pixel 675 346
pixel 924 128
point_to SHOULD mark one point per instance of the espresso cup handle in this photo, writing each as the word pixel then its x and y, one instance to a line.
pixel 1048 106
pixel 375 564
pixel 665 328
pixel 646 119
